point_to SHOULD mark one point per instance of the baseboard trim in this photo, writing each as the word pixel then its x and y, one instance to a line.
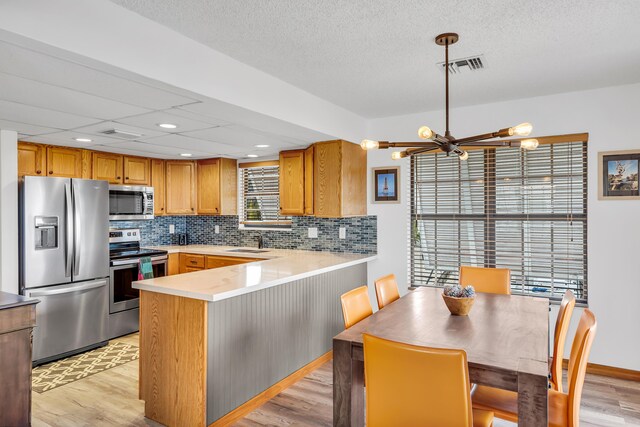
pixel 609 371
pixel 262 398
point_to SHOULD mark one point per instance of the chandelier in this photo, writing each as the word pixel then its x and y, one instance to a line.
pixel 448 143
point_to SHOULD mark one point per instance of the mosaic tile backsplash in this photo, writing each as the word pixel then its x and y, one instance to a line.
pixel 362 233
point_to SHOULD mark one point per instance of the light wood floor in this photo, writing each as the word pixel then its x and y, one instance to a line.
pixel 110 398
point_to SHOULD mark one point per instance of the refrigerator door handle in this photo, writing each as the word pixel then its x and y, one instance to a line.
pixel 69 289
pixel 76 241
pixel 68 251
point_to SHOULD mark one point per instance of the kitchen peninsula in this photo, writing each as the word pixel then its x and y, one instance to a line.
pixel 212 340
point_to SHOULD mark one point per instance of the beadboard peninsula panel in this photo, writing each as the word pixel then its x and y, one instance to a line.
pixel 257 339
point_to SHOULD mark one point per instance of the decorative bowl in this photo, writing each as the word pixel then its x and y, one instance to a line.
pixel 458 306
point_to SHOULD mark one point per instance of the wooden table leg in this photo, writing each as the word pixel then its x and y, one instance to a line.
pixel 532 400
pixel 348 386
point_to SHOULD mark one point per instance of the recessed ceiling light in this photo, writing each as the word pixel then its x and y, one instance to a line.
pixel 186 154
pixel 252 155
pixel 82 139
pixel 262 146
pixel 167 125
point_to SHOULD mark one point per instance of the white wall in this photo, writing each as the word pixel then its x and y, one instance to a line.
pixel 9 211
pixel 610 115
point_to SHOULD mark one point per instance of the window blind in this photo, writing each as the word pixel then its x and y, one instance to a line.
pixel 516 209
pixel 260 197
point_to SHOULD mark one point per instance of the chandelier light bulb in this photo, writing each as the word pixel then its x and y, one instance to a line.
pixel 368 144
pixel 464 155
pixel 529 144
pixel 396 155
pixel 523 129
pixel 425 132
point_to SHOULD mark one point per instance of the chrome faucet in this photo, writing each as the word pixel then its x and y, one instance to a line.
pixel 260 242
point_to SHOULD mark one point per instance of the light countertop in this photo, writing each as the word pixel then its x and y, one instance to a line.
pixel 277 266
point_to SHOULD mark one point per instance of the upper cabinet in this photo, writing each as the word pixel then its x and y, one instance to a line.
pixel 137 170
pixel 308 181
pixel 158 184
pixel 292 183
pixel 31 159
pixel 119 169
pixel 107 167
pixel 180 187
pixel 328 179
pixel 64 162
pixel 340 179
pixel 217 187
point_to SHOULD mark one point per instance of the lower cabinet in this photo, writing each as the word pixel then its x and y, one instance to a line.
pixel 196 262
pixel 17 320
pixel 173 266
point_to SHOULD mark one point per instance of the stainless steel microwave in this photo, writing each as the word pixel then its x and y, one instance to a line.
pixel 130 202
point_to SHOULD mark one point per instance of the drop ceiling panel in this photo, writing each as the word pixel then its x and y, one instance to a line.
pixel 251 119
pixel 36 66
pixel 120 150
pixel 213 121
pixel 56 98
pixel 16 112
pixel 238 136
pixel 189 145
pixel 151 121
pixel 68 137
pixel 159 150
pixel 25 129
pixel 96 128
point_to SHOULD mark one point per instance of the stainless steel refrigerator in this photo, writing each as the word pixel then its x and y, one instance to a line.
pixel 64 262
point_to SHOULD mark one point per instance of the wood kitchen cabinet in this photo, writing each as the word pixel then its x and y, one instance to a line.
pixel 158 184
pixel 292 184
pixel 137 170
pixel 180 187
pixel 173 264
pixel 217 187
pixel 31 159
pixel 64 162
pixel 308 181
pixel 196 262
pixel 107 167
pixel 340 179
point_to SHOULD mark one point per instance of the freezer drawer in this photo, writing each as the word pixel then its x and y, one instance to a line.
pixel 69 317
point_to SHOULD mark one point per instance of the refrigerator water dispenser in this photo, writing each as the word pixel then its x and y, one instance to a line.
pixel 46 232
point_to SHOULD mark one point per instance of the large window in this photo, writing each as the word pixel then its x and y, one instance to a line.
pixel 523 210
pixel 260 198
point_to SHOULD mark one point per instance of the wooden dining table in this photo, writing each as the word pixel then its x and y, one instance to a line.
pixel 506 338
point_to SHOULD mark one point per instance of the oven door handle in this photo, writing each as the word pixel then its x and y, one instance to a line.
pixel 134 262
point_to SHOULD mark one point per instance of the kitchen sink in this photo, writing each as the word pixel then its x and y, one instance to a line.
pixel 247 251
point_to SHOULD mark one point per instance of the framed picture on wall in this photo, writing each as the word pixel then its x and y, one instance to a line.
pixel 618 175
pixel 386 184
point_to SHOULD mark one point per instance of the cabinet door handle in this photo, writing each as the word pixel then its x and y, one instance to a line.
pixel 193 261
pixel 50 172
pixel 117 177
pixel 126 178
pixel 38 172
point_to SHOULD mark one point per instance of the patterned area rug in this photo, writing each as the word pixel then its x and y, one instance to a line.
pixel 65 371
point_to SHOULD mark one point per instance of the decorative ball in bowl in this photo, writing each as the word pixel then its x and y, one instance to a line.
pixel 459 300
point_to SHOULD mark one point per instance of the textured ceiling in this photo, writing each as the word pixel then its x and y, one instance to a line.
pixel 377 57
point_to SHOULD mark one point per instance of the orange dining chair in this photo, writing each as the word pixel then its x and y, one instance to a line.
pixel 564 408
pixel 355 306
pixel 487 280
pixel 559 338
pixel 386 290
pixel 397 373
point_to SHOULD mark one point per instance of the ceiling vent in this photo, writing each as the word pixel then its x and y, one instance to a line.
pixel 463 65
pixel 123 134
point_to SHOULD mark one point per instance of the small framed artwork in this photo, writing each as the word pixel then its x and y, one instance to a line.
pixel 618 175
pixel 386 185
